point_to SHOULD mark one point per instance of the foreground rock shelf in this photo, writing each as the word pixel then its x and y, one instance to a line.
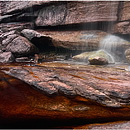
pixel 62 93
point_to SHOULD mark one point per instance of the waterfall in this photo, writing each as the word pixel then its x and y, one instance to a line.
pixel 114 46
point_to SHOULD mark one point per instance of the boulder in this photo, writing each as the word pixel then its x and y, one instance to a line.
pixel 98 61
pixel 100 57
pixel 20 46
pixel 6 57
pixel 83 57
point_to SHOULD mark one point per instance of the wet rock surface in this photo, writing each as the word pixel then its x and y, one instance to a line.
pixel 114 125
pixel 107 86
pixel 100 57
pixel 62 93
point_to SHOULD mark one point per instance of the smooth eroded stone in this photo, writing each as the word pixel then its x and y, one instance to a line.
pixel 100 57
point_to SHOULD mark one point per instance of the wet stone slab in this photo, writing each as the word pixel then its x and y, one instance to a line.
pixel 105 85
pixel 58 93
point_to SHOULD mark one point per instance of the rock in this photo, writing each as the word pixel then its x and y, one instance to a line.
pixel 127 55
pixel 5 18
pixel 9 39
pixel 122 27
pixel 75 40
pixel 75 12
pixel 62 92
pixel 11 7
pixel 6 57
pixel 112 43
pixel 124 11
pixel 20 46
pixel 113 125
pixel 30 34
pixel 43 42
pixel 18 26
pixel 98 61
pixel 83 57
pixel 52 15
pixel 127 52
pixel 22 59
pixel 115 46
pixel 26 17
pixel 123 24
pixel 1 51
pixel 6 34
pixel 104 85
pixel 100 57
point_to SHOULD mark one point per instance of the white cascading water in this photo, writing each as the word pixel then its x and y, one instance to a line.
pixel 111 44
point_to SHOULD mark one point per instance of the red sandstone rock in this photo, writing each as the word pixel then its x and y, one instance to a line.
pixel 61 93
pixel 125 11
pixel 75 40
pixel 5 27
pixel 17 6
pixel 107 86
pixel 77 12
pixel 122 27
pixel 124 125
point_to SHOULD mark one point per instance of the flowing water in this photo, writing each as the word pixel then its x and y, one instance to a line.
pixel 114 46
